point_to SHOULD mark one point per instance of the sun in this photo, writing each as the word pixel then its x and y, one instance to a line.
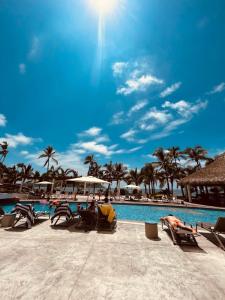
pixel 104 7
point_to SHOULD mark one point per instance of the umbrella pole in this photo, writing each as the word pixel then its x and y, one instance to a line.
pixel 85 187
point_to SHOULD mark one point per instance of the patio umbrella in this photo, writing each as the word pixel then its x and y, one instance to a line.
pixel 132 186
pixel 87 179
pixel 43 183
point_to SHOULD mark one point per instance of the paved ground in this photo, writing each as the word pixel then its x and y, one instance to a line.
pixel 62 263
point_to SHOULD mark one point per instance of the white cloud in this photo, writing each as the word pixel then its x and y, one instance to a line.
pixel 138 84
pixel 159 116
pixel 217 89
pixel 17 139
pixel 134 149
pixel 35 47
pixel 22 69
pixel 185 112
pixel 93 146
pixel 70 158
pixel 3 120
pixel 118 68
pixel 117 118
pixel 102 138
pixel 102 149
pixel 136 76
pixel 93 131
pixel 138 106
pixel 24 152
pixel 129 135
pixel 171 89
pixel 184 108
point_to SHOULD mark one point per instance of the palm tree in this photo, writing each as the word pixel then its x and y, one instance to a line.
pixel 35 177
pixel 175 154
pixel 12 174
pixel 25 173
pixel 196 154
pixel 108 173
pixel 134 176
pixel 119 173
pixel 4 151
pixel 63 175
pixel 48 153
pixel 149 177
pixel 164 161
pixel 89 160
pixel 3 170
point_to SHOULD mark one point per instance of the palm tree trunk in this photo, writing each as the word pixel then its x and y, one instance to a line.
pixel 149 188
pixel 168 185
pixel 172 186
pixel 182 191
pixel 118 189
pixel 145 188
pixel 153 186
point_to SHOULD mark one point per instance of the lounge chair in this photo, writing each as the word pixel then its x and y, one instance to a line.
pixel 63 210
pixel 180 234
pixel 26 212
pixel 216 229
pixel 106 217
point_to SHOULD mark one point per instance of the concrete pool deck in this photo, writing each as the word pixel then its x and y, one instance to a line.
pixel 63 263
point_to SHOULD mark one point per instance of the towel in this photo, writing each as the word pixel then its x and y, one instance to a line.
pixel 27 212
pixel 63 210
pixel 107 210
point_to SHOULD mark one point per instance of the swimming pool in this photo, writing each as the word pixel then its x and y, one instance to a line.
pixel 146 213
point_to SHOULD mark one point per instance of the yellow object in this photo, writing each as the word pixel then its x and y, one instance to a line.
pixel 107 210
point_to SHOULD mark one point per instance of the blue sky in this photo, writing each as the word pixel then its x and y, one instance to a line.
pixel 148 74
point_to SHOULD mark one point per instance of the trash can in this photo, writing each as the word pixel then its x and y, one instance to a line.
pixel 151 230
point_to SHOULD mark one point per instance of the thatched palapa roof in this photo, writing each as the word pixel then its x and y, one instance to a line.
pixel 212 174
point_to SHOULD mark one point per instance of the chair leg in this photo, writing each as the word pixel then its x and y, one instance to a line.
pixel 194 240
pixel 57 221
pixel 174 238
pixel 219 240
pixel 16 221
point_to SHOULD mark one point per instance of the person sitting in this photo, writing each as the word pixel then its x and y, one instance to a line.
pixel 177 223
pixel 108 211
pixel 91 206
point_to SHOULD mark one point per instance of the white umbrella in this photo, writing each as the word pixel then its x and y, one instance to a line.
pixel 132 186
pixel 87 179
pixel 43 183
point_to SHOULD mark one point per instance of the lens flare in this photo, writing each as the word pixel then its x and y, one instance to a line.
pixel 104 7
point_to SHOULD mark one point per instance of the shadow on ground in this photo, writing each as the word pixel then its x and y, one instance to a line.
pixel 210 237
pixel 186 246
pixel 22 226
pixel 74 226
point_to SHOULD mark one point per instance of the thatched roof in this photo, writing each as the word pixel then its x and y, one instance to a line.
pixel 212 174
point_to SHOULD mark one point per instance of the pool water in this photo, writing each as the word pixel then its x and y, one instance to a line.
pixel 146 213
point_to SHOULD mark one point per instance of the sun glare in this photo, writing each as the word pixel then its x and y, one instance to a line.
pixel 104 7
